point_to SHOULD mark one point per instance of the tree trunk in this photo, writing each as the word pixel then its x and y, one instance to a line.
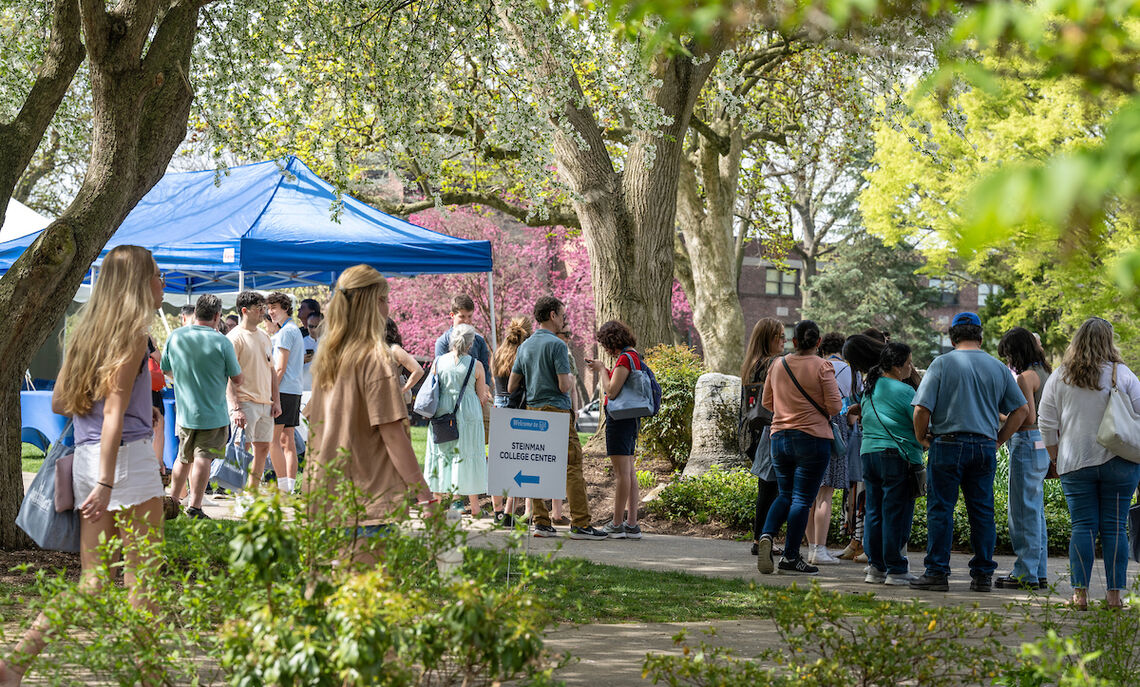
pixel 141 101
pixel 709 271
pixel 627 217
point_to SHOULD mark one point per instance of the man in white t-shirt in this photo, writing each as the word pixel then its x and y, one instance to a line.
pixel 288 364
pixel 254 405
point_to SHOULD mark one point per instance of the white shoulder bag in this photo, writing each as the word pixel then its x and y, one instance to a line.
pixel 1119 430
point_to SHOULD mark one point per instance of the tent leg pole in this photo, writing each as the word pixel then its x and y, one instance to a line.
pixel 491 299
pixel 241 280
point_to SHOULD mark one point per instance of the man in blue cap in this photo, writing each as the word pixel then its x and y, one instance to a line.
pixel 956 416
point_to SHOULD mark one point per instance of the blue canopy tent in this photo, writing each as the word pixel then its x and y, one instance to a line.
pixel 273 225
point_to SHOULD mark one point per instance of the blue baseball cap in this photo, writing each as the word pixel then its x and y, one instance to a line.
pixel 966 318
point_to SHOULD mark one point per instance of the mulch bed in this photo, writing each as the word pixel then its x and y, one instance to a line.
pixel 600 492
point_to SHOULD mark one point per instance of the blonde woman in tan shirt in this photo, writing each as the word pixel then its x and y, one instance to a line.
pixel 801 443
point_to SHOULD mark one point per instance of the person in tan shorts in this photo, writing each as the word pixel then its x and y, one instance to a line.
pixel 255 403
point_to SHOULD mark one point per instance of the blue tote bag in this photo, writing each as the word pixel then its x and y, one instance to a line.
pixel 50 530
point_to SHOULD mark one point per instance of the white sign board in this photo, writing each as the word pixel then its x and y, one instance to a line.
pixel 527 453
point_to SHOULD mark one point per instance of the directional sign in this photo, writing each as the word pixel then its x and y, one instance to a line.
pixel 527 453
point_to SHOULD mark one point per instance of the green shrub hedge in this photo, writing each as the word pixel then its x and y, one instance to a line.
pixel 728 496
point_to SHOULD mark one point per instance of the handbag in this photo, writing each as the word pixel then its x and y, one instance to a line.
pixel 427 398
pixel 635 398
pixel 1119 430
pixel 49 529
pixel 916 472
pixel 445 428
pixel 838 442
pixel 64 487
pixel 232 471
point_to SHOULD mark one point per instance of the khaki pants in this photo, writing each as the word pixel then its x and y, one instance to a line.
pixel 575 481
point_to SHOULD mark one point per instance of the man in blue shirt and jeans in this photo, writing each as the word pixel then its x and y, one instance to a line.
pixel 956 416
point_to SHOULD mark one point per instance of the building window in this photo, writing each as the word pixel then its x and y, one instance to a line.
pixel 947 293
pixel 987 290
pixel 780 283
pixel 789 332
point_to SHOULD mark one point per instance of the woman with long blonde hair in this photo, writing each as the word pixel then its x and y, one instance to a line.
pixel 764 345
pixel 1098 485
pixel 358 407
pixel 105 387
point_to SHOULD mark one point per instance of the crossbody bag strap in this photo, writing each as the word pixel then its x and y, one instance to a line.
pixel 463 387
pixel 871 400
pixel 784 360
pixel 1114 375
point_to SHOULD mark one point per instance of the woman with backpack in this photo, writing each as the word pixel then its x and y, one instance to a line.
pixel 802 394
pixel 621 435
pixel 764 346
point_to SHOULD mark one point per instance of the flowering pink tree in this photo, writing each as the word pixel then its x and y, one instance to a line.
pixel 528 263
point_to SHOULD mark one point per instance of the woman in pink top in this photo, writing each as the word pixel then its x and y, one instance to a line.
pixel 802 394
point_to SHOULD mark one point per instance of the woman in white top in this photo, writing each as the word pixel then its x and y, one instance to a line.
pixel 1098 485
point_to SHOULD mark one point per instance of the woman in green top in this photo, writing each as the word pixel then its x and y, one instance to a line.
pixel 889 450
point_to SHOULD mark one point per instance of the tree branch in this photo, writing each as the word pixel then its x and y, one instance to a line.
pixel 557 217
pixel 33 174
pixel 719 143
pixel 20 138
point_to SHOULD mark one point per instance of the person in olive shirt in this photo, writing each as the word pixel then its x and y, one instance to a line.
pixel 889 450
pixel 543 364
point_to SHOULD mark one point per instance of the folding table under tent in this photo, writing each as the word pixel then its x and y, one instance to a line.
pixel 272 225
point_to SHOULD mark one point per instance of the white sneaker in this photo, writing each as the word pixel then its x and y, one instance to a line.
pixel 824 557
pixel 900 580
pixel 876 576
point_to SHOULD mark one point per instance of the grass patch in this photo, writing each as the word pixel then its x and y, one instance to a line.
pixel 31 458
pixel 583 592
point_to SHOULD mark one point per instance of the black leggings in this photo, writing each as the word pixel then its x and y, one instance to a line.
pixel 765 496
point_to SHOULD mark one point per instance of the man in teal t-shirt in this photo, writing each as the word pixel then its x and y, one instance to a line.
pixel 543 363
pixel 202 361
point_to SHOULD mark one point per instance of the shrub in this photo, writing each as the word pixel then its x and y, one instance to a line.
pixel 669 434
pixel 646 479
pixel 726 495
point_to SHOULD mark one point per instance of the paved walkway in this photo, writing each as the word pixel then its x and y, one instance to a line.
pixel 613 654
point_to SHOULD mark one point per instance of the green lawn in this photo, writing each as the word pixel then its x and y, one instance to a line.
pixel 31 458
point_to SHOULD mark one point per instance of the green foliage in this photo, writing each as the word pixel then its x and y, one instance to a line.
pixel 722 495
pixel 670 433
pixel 304 600
pixel 867 283
pixel 728 496
pixel 820 644
pixel 646 480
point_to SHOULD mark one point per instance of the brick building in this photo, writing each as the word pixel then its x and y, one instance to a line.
pixel 769 291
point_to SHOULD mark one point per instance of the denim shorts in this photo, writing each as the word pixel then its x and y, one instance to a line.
pixel 621 436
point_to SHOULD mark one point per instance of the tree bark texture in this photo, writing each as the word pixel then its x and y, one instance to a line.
pixel 20 137
pixel 627 217
pixel 141 102
pixel 709 272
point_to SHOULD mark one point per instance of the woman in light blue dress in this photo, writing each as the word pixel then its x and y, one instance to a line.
pixel 460 467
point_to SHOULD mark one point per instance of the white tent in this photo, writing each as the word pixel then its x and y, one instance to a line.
pixel 21 220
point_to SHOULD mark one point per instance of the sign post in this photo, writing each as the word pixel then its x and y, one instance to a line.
pixel 527 457
pixel 527 453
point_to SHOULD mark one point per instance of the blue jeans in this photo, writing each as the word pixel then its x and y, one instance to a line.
pixel 1027 468
pixel 800 460
pixel 1098 498
pixel 967 461
pixel 890 510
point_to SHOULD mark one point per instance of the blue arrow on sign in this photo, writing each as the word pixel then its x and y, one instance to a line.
pixel 521 479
